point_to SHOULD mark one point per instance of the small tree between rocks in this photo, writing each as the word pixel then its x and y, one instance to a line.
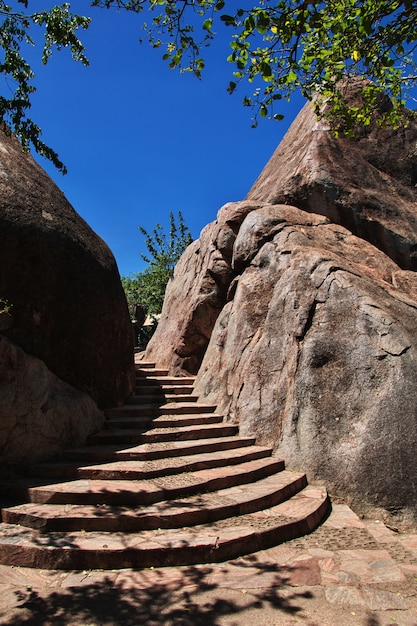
pixel 148 287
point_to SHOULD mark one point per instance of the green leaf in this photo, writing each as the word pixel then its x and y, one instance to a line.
pixel 265 69
pixel 231 87
pixel 229 20
pixel 291 76
pixel 287 44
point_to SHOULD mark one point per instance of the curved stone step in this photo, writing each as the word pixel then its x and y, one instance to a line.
pixel 164 421
pixel 197 509
pixel 149 491
pixel 164 381
pixel 165 398
pixel 161 390
pixel 136 470
pixel 150 371
pixel 208 543
pixel 154 435
pixel 68 468
pixel 163 484
pixel 148 410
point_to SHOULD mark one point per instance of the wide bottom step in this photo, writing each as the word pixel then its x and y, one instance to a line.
pixel 197 509
pixel 206 543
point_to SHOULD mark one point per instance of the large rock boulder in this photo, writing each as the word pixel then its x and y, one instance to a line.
pixel 316 354
pixel 366 183
pixel 69 307
pixel 314 349
pixel 40 415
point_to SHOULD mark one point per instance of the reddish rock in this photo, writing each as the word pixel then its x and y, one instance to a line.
pixel 366 183
pixel 69 307
pixel 317 355
pixel 40 415
pixel 314 349
pixel 197 293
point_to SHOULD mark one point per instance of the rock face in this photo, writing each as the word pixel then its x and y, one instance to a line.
pixel 40 415
pixel 197 293
pixel 367 183
pixel 317 355
pixel 315 345
pixel 69 307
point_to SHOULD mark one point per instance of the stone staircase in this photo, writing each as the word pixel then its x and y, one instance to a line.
pixel 166 483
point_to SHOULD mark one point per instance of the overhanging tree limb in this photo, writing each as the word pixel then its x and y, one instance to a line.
pixel 278 46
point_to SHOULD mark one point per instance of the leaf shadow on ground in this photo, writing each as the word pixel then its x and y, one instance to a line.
pixel 172 597
pixel 189 596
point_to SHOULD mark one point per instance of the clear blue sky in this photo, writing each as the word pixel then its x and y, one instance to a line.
pixel 140 140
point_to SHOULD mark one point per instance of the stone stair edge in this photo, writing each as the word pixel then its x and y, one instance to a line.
pixel 166 398
pixel 161 548
pixel 83 466
pixel 143 379
pixel 163 421
pixel 161 409
pixel 152 468
pixel 217 426
pixel 177 512
pixel 209 479
pixel 160 435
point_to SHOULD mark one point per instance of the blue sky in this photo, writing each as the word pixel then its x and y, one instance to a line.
pixel 140 140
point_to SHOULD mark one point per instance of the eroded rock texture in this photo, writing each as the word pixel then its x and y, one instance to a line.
pixel 317 355
pixel 314 349
pixel 40 415
pixel 367 183
pixel 69 308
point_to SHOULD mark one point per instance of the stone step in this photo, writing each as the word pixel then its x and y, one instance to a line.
pixel 202 508
pixel 164 398
pixel 164 421
pixel 172 408
pixel 148 491
pixel 167 482
pixel 161 390
pixel 165 380
pixel 150 371
pixel 155 435
pixel 137 470
pixel 145 364
pixel 18 490
pixel 207 543
pixel 68 468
